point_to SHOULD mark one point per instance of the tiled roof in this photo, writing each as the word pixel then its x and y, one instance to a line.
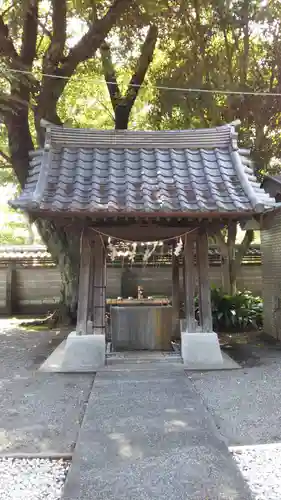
pixel 181 172
pixel 8 252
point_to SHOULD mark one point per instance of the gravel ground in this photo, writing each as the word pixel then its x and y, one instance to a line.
pixel 245 403
pixel 246 408
pixel 261 468
pixel 39 412
pixel 33 479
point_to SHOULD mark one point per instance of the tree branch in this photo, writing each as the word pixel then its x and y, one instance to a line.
pixel 92 40
pixel 9 8
pixel 23 84
pixel 228 54
pixel 56 48
pixel 109 112
pixel 127 101
pixel 29 36
pixel 144 61
pixel 7 48
pixel 246 42
pixel 5 156
pixel 12 103
pixel 45 31
pixel 110 75
pixel 122 104
pixel 52 89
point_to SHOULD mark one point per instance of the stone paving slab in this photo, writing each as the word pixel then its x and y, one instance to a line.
pixel 38 412
pixel 146 435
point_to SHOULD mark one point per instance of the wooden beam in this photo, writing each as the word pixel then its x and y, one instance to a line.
pixel 192 217
pixel 204 291
pixel 190 282
pixel 129 229
pixel 99 287
pixel 140 232
pixel 175 295
pixel 86 262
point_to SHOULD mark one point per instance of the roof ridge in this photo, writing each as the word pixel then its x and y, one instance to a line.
pixel 221 136
pixel 51 126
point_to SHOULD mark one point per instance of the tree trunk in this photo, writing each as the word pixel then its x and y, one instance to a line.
pixel 229 277
pixel 64 247
pixel 232 260
pixel 69 287
pixel 233 278
pixel 227 248
pixel 61 64
pixel 20 142
pixel 225 274
pixel 122 114
pixel 122 104
pixel 30 229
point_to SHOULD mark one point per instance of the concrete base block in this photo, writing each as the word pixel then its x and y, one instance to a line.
pixel 79 353
pixel 84 352
pixel 200 348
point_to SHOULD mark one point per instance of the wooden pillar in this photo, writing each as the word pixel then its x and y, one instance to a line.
pixel 11 290
pixel 183 284
pixel 99 287
pixel 86 265
pixel 204 291
pixel 175 295
pixel 190 282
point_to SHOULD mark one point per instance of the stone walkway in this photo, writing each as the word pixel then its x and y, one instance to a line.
pixel 146 435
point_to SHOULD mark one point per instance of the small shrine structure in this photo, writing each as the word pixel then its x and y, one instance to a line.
pixel 142 186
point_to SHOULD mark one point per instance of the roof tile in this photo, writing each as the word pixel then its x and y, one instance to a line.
pixel 126 171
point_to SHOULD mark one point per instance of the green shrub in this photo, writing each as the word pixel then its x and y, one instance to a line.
pixel 241 311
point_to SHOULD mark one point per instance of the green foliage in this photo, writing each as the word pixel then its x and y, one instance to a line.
pixel 233 46
pixel 15 228
pixel 238 312
pixel 211 45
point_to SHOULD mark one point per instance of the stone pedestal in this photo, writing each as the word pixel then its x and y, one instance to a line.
pixel 201 350
pixel 83 353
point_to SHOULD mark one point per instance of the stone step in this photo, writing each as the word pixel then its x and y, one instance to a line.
pixel 142 357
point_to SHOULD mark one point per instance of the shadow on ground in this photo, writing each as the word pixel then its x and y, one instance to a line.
pixel 39 412
pixel 250 349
